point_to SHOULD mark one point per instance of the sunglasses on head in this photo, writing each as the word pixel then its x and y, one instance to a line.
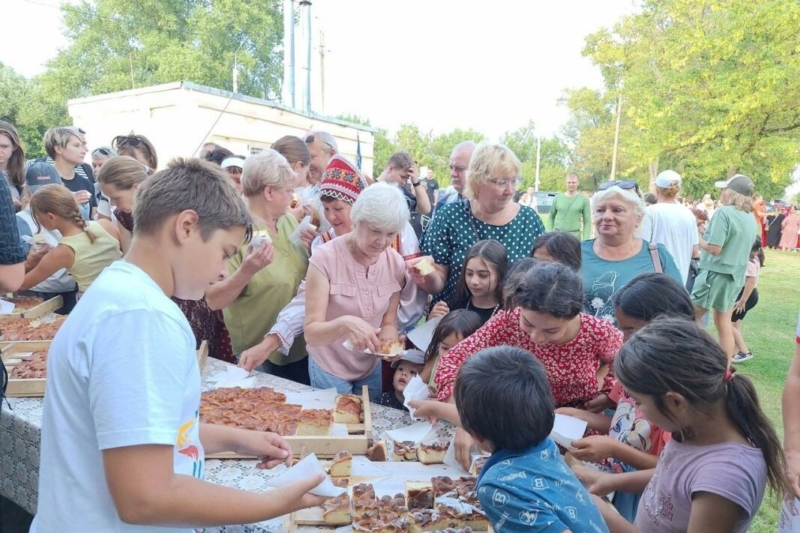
pixel 102 151
pixel 626 184
pixel 311 138
pixel 130 140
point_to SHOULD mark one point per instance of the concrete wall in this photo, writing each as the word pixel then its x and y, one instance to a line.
pixel 179 118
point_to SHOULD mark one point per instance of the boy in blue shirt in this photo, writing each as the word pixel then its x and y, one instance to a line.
pixel 505 404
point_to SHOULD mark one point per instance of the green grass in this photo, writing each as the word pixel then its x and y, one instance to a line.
pixel 769 331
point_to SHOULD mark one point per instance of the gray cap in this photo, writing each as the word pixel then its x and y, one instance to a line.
pixel 739 183
pixel 41 174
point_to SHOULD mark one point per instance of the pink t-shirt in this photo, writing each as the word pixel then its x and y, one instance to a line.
pixel 356 293
pixel 734 471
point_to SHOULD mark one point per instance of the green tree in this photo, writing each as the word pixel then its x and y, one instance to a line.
pixel 120 44
pixel 22 103
pixel 708 88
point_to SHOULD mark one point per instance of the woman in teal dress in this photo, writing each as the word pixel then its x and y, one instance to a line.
pixel 487 212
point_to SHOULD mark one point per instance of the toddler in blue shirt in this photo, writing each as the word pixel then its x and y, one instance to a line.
pixel 505 404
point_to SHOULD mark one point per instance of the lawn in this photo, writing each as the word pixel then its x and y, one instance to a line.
pixel 769 330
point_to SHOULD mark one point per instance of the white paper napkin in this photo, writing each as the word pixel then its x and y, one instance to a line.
pixel 567 429
pixel 6 308
pixel 450 456
pixel 304 225
pixel 416 390
pixel 306 468
pixel 414 433
pixel 421 337
pixel 233 376
pixel 349 346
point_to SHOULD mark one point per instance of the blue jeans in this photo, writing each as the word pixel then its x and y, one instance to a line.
pixel 323 380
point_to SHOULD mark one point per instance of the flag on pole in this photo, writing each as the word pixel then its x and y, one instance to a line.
pixel 358 151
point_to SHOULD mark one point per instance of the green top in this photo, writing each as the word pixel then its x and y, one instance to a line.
pixel 735 231
pixel 567 212
pixel 256 310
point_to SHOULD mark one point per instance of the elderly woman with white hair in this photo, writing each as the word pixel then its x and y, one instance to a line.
pixel 356 280
pixel 487 212
pixel 617 255
pixel 265 274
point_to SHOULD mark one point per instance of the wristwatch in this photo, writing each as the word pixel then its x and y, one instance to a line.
pixel 417 184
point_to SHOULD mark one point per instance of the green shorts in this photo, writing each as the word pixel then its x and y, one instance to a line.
pixel 714 290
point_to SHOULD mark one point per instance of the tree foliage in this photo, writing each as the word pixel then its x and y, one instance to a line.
pixel 120 44
pixel 709 88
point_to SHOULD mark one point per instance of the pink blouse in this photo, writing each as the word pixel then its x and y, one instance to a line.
pixel 356 293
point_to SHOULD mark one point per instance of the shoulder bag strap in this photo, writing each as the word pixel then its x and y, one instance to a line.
pixel 656 259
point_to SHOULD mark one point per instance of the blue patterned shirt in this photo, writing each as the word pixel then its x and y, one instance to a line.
pixel 534 491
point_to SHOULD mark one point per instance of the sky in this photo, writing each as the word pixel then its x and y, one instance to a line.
pixel 439 64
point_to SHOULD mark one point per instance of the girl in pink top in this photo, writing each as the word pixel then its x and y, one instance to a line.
pixel 354 286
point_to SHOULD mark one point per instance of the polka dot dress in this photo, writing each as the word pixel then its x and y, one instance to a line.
pixel 454 230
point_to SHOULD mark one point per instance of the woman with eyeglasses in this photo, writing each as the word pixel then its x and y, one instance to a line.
pixel 138 147
pixel 487 212
pixel 617 255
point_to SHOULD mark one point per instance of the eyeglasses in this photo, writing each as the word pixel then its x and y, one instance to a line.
pixel 102 151
pixel 505 182
pixel 626 185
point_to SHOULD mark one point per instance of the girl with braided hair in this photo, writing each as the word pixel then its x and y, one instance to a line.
pixel 85 247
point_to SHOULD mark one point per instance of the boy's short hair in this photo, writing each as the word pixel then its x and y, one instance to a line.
pixel 59 137
pixel 503 396
pixel 190 184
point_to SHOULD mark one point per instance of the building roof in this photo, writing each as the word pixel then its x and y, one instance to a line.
pixel 219 92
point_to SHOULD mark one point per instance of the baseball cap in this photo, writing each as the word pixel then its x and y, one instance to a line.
pixel 233 162
pixel 667 177
pixel 739 183
pixel 412 356
pixel 41 174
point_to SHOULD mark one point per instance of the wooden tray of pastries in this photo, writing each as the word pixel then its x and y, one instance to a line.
pixel 42 328
pixel 310 430
pixel 441 503
pixel 32 307
pixel 26 363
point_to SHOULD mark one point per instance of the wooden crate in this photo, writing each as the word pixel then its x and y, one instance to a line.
pixel 40 310
pixel 326 446
pixel 34 388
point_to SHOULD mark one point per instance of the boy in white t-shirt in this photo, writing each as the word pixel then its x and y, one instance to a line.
pixel 122 443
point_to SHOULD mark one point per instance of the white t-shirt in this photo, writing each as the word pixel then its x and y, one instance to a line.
pixel 674 226
pixel 122 371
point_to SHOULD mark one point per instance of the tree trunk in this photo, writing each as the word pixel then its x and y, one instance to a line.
pixel 653 173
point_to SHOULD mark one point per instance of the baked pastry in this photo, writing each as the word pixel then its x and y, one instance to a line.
pixel 33 368
pixel 315 220
pixel 342 464
pixel 314 422
pixel 419 495
pixel 404 451
pixel 462 512
pixel 452 530
pixel 348 409
pixel 425 266
pixel 295 200
pixel 28 329
pixel 443 485
pixel 336 511
pixel 377 453
pixel 429 520
pixel 391 347
pixel 364 503
pixel 432 454
pixel 24 303
pixel 342 482
pixel 477 465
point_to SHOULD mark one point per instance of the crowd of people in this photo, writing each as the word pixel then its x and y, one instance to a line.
pixel 292 262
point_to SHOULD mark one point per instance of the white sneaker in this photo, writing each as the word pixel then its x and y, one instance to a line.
pixel 741 357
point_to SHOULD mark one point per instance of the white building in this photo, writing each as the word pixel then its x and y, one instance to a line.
pixel 180 117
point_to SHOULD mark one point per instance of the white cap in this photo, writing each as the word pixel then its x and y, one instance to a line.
pixel 233 162
pixel 666 178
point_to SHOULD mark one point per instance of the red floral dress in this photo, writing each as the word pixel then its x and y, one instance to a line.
pixel 571 368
